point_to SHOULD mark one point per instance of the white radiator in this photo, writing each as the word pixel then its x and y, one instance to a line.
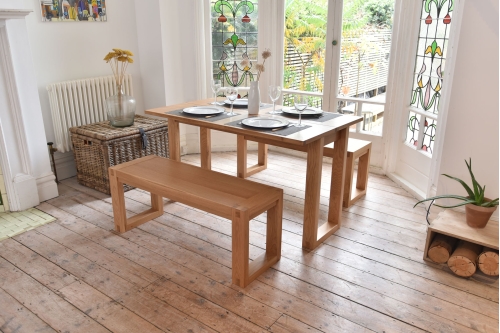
pixel 80 102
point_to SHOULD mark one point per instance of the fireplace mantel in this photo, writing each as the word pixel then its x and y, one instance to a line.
pixel 6 14
pixel 24 158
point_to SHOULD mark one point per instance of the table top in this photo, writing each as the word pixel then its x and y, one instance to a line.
pixel 327 129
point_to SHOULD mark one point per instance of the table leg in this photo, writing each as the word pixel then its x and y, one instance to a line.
pixel 174 140
pixel 243 170
pixel 312 194
pixel 337 185
pixel 205 148
pixel 241 156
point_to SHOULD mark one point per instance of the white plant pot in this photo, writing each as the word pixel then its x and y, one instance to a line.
pixel 254 98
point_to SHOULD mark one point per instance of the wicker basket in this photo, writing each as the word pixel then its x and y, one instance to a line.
pixel 98 146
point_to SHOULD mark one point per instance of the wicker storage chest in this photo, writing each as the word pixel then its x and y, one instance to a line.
pixel 98 146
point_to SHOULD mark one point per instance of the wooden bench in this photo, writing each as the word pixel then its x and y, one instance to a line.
pixel 355 149
pixel 233 198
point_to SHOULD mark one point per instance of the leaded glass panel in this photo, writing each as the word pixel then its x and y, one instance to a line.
pixel 435 21
pixel 234 38
pixel 431 53
pixel 429 133
pixel 413 129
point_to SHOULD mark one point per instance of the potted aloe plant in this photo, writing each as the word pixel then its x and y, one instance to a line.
pixel 478 209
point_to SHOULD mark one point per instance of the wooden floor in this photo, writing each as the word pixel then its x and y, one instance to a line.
pixel 173 274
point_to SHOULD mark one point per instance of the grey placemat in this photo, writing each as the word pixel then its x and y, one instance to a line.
pixel 283 132
pixel 207 118
pixel 262 106
pixel 325 116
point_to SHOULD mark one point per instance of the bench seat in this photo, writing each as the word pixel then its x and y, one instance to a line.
pixel 233 198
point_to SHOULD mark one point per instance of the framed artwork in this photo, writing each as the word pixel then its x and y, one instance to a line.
pixel 73 10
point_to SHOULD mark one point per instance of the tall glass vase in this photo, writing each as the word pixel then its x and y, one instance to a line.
pixel 120 108
pixel 254 98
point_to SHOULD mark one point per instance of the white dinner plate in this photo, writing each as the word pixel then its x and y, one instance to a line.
pixel 238 102
pixel 310 111
pixel 204 110
pixel 267 123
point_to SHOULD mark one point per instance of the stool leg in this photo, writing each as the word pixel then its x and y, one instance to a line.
pixel 349 173
pixel 118 200
pixel 240 240
pixel 363 165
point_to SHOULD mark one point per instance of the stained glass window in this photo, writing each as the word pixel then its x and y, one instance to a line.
pixel 234 38
pixel 436 18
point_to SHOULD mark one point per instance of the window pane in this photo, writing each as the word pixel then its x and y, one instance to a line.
pixel 305 40
pixel 431 52
pixel 364 57
pixel 436 18
pixel 412 129
pixel 429 133
pixel 234 38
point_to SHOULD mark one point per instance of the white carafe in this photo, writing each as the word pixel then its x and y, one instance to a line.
pixel 254 98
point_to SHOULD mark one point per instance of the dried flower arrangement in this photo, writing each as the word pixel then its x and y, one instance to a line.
pixel 119 61
pixel 260 67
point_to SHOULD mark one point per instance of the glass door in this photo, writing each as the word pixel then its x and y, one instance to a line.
pixel 337 52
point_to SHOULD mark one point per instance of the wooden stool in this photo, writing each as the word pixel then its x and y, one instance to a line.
pixel 355 149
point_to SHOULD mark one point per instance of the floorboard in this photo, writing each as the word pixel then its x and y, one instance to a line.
pixel 173 274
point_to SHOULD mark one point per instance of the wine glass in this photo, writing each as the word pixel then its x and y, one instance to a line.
pixel 300 102
pixel 274 94
pixel 215 85
pixel 232 95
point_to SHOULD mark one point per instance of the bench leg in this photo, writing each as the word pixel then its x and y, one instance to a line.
pixel 349 174
pixel 363 165
pixel 123 224
pixel 118 202
pixel 243 170
pixel 361 180
pixel 243 271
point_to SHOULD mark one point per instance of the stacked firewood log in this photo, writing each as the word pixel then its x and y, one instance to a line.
pixel 463 258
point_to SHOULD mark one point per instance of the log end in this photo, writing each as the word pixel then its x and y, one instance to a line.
pixel 488 263
pixel 462 266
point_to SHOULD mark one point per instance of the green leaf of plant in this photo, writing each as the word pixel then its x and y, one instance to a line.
pixel 467 188
pixel 491 203
pixel 444 196
pixel 460 204
pixel 475 184
pixel 481 196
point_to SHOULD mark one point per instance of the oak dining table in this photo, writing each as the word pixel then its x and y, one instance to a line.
pixel 311 140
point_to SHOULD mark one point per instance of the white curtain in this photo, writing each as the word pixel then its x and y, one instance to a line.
pixel 203 47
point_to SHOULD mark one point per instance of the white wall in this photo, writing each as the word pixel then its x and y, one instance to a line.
pixel 74 50
pixel 150 44
pixel 472 126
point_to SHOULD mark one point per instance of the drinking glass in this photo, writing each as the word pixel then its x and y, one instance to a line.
pixel 232 95
pixel 300 102
pixel 215 85
pixel 274 94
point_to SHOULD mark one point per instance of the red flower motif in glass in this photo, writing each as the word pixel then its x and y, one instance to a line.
pixel 428 19
pixel 245 19
pixel 222 18
pixel 447 19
